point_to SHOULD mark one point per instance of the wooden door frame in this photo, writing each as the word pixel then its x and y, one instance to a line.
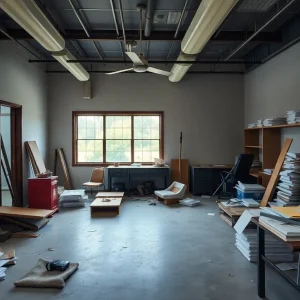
pixel 16 148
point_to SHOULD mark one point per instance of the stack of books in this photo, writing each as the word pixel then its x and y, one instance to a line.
pixel 293 116
pixel 274 121
pixel 73 198
pixel 289 185
pixel 268 171
pixel 275 249
pixel 256 163
pixel 252 125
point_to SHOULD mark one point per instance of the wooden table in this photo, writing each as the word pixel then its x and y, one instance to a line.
pixel 110 194
pixel 102 208
pixel 263 260
pixel 230 215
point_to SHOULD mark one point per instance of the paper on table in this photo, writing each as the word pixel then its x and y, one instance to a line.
pixel 4 261
pixel 245 219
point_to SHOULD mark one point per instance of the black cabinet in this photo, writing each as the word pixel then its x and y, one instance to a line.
pixel 205 180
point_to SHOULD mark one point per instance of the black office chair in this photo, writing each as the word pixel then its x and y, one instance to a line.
pixel 240 172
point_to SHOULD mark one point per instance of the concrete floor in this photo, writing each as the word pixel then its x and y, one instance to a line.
pixel 148 252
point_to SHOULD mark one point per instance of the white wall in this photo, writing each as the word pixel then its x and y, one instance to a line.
pixel 274 88
pixel 25 84
pixel 208 109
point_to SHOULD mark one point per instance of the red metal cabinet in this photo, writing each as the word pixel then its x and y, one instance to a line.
pixel 43 193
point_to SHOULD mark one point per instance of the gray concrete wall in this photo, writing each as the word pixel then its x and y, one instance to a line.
pixel 25 84
pixel 274 88
pixel 208 109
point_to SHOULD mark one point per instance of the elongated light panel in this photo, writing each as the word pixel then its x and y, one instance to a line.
pixel 75 68
pixel 29 16
pixel 208 18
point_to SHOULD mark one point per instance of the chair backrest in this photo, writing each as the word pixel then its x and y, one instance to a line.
pixel 97 175
pixel 242 166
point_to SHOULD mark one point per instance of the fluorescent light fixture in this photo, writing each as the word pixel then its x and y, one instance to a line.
pixel 29 16
pixel 75 68
pixel 179 69
pixel 208 18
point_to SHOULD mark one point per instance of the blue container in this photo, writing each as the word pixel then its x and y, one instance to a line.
pixel 256 195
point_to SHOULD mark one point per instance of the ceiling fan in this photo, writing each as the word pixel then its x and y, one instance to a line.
pixel 140 63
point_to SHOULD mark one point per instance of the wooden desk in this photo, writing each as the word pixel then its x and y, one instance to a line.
pixel 129 174
pixel 263 260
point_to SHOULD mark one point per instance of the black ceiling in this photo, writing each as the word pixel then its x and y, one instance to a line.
pixel 104 42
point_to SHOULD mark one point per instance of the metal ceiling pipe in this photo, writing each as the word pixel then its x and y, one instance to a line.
pixel 122 23
pixel 209 16
pixel 149 17
pixel 77 13
pixel 259 30
pixel 114 16
pixel 181 17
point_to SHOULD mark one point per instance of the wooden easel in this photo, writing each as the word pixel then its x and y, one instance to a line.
pixel 60 156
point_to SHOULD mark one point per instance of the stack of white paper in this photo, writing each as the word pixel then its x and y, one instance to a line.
pixel 73 198
pixel 248 187
pixel 293 116
pixel 190 202
pixel 268 171
pixel 256 164
pixel 252 125
pixel 275 250
pixel 289 185
pixel 6 258
pixel 274 121
pixel 248 202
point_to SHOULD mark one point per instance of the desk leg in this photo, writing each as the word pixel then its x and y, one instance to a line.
pixel 261 268
pixel 298 272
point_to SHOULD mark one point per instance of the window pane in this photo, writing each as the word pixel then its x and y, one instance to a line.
pixel 146 127
pixel 90 151
pixel 118 127
pixel 146 150
pixel 118 151
pixel 90 127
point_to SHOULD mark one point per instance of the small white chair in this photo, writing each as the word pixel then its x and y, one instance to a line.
pixel 172 194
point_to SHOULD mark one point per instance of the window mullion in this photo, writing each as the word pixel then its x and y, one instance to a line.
pixel 104 139
pixel 132 139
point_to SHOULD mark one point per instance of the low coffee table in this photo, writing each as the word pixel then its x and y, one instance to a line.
pixel 106 207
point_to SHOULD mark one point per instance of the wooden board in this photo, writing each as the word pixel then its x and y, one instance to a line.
pixel 184 171
pixel 110 194
pixel 275 175
pixel 25 234
pixel 36 155
pixel 36 225
pixel 60 156
pixel 101 208
pixel 24 212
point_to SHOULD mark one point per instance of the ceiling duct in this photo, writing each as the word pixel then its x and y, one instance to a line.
pixel 30 17
pixel 209 16
pixel 149 17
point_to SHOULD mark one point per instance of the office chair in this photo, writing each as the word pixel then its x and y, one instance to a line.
pixel 240 172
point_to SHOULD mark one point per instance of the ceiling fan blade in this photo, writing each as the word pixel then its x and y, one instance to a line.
pixel 158 71
pixel 121 71
pixel 137 60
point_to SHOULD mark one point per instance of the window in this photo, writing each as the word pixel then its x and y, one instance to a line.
pixel 104 138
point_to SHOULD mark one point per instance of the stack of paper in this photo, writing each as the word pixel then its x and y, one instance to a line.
pixel 252 125
pixel 274 121
pixel 259 123
pixel 287 232
pixel 289 185
pixel 73 198
pixel 293 116
pixel 248 202
pixel 190 202
pixel 6 258
pixel 275 250
pixel 248 187
pixel 256 164
pixel 268 171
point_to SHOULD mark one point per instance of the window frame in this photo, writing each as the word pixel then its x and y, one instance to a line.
pixel 75 115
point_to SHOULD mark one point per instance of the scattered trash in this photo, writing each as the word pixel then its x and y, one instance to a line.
pixel 210 261
pixel 190 202
pixel 124 247
pixel 92 230
pixel 152 202
pixel 251 280
pixel 50 249
pixel 230 275
pixel 211 214
pixel 205 196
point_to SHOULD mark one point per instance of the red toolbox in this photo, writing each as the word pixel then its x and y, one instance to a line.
pixel 43 193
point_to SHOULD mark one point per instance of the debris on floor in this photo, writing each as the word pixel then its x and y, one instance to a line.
pixel 211 214
pixel 7 258
pixel 50 249
pixel 190 202
pixel 40 277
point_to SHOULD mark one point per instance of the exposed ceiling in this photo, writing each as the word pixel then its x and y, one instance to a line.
pixel 105 42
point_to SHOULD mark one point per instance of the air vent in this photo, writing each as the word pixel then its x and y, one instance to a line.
pixel 168 17
pixel 255 5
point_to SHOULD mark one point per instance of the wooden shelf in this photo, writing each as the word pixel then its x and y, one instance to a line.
pixel 276 126
pixel 256 174
pixel 259 147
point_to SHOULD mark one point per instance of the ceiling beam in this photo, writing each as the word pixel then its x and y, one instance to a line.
pixel 110 35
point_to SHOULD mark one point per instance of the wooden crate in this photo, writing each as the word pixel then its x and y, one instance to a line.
pixel 102 208
pixel 230 215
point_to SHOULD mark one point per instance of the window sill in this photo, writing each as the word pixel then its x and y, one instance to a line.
pixel 107 164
